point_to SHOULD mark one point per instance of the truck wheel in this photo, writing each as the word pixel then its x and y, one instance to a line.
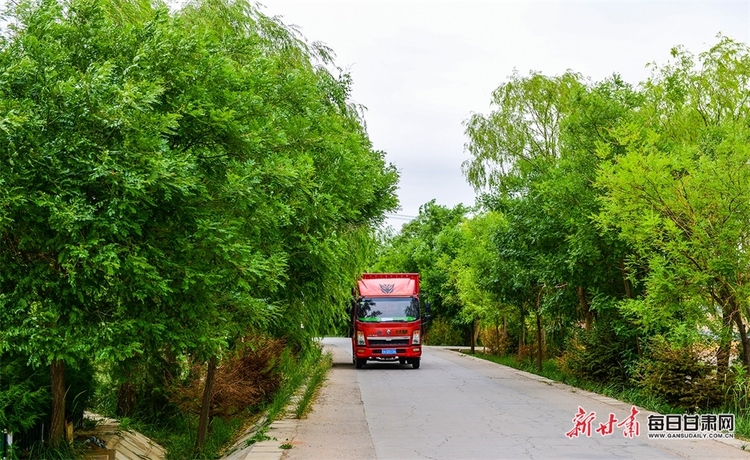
pixel 415 363
pixel 360 362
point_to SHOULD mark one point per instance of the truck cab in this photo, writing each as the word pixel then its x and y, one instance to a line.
pixel 386 319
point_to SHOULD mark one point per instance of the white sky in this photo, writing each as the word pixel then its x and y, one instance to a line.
pixel 422 67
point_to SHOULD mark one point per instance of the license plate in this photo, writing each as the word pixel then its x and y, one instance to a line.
pixel 389 352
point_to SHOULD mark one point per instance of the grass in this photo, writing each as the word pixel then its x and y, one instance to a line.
pixel 177 433
pixel 742 427
pixel 43 451
pixel 296 372
pixel 259 436
pixel 314 382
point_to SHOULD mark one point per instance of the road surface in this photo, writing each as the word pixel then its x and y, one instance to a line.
pixel 461 407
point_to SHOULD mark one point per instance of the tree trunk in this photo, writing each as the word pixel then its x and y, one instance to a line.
pixel 725 342
pixel 626 281
pixel 588 317
pixel 743 337
pixel 539 351
pixel 522 335
pixel 57 424
pixel 204 420
pixel 477 332
pixel 731 312
pixel 497 337
pixel 473 336
pixel 638 347
pixel 505 335
pixel 126 395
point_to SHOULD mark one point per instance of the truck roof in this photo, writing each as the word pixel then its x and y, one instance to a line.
pixel 389 284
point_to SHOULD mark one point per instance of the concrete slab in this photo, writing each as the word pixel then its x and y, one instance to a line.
pixel 127 445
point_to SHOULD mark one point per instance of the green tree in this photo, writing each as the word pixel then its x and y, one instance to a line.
pixel 534 157
pixel 679 195
pixel 520 138
pixel 428 245
pixel 472 273
pixel 171 180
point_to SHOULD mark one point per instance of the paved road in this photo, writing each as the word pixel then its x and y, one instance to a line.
pixel 460 407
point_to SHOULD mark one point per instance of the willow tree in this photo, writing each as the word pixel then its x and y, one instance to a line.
pixel 520 138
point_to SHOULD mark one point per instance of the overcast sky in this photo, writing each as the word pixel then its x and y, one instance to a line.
pixel 423 67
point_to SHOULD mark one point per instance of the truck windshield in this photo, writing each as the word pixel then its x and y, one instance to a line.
pixel 388 309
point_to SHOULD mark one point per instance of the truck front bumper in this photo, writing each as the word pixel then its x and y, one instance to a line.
pixel 388 354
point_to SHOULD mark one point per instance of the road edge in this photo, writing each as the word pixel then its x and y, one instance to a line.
pixel 743 445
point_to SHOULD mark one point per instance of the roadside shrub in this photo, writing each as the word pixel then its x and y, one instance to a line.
pixel 139 387
pixel 442 331
pixel 245 379
pixel 737 388
pixel 599 355
pixel 24 393
pixel 680 376
pixel 494 339
pixel 25 396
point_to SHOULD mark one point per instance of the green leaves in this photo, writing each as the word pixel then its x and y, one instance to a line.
pixel 521 136
pixel 170 180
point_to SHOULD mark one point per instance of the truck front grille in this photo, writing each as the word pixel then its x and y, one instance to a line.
pixel 388 342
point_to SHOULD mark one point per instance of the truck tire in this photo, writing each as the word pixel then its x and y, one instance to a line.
pixel 415 363
pixel 360 362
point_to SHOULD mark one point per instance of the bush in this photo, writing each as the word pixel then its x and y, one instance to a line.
pixel 24 393
pixel 494 339
pixel 599 355
pixel 246 384
pixel 25 401
pixel 680 376
pixel 442 331
pixel 242 381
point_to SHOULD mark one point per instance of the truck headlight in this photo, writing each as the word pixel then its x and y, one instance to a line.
pixel 360 338
pixel 415 338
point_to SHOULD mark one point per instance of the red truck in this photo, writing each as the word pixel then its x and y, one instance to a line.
pixel 387 325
